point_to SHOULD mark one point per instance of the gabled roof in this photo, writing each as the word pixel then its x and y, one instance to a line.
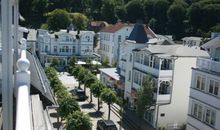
pixel 116 27
pixel 138 34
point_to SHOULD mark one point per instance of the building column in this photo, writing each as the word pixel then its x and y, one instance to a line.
pixel 7 64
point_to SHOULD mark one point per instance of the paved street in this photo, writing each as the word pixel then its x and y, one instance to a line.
pixel 70 82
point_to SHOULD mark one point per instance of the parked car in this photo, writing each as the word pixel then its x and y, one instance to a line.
pixel 79 93
pixel 106 125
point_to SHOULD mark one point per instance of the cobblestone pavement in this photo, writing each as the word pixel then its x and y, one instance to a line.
pixel 91 109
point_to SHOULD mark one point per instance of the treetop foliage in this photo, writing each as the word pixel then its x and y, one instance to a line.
pixel 195 17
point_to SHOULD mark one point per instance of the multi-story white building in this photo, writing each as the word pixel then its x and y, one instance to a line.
pixel 64 44
pixel 169 65
pixel 110 39
pixel 204 103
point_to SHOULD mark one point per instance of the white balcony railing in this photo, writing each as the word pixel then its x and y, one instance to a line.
pixel 23 112
pixel 153 71
pixel 208 64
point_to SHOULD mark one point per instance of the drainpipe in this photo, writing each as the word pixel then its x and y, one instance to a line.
pixel 163 104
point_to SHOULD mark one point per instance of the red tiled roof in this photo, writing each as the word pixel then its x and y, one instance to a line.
pixel 116 27
pixel 150 32
pixel 97 23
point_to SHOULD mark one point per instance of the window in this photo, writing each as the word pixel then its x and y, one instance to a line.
pixel 55 49
pixel 46 48
pixel 67 49
pixel 197 111
pixel 156 63
pixel 146 60
pixel 149 116
pixel 137 57
pixel 67 38
pixel 112 50
pixel 136 77
pixel 200 83
pixel 151 61
pixel 142 59
pixel 126 37
pixel 119 38
pixel 74 49
pixel 130 59
pixel 164 87
pixel 166 64
pixel 210 116
pixel 129 77
pixel 88 38
pixel 213 87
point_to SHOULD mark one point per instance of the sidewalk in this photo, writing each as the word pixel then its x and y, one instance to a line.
pixel 91 109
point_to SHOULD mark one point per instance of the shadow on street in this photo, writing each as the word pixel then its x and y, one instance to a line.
pixel 87 106
pixel 96 114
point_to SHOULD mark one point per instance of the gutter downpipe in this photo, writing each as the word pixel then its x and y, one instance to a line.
pixel 163 104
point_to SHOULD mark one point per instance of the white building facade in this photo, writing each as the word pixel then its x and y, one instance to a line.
pixel 111 38
pixel 63 45
pixel 170 66
pixel 204 103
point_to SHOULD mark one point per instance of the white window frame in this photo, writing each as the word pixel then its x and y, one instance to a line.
pixel 198 114
pixel 215 85
pixel 208 120
pixel 199 84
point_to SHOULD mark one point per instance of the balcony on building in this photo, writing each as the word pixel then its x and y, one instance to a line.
pixel 163 93
pixel 157 65
pixel 208 64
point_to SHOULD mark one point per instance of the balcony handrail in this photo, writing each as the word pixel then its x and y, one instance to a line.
pixel 23 111
pixel 208 64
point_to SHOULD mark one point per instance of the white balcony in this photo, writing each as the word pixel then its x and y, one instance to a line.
pixel 153 71
pixel 165 98
pixel 208 64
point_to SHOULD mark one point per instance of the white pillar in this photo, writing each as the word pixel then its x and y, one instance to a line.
pixel 7 61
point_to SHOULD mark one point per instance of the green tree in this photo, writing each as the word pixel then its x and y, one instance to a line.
pixel 58 19
pixel 108 11
pixel 176 15
pixel 62 93
pixel 75 71
pixel 82 73
pixel 145 96
pixel 72 63
pixel 97 89
pixel 67 105
pixel 105 62
pixel 108 96
pixel 135 10
pixel 55 63
pixel 51 73
pixel 160 14
pixel 149 7
pixel 79 20
pixel 78 121
pixel 88 81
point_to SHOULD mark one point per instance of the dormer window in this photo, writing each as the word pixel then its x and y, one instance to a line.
pixel 88 38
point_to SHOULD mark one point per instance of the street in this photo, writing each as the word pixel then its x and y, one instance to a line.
pixel 91 108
